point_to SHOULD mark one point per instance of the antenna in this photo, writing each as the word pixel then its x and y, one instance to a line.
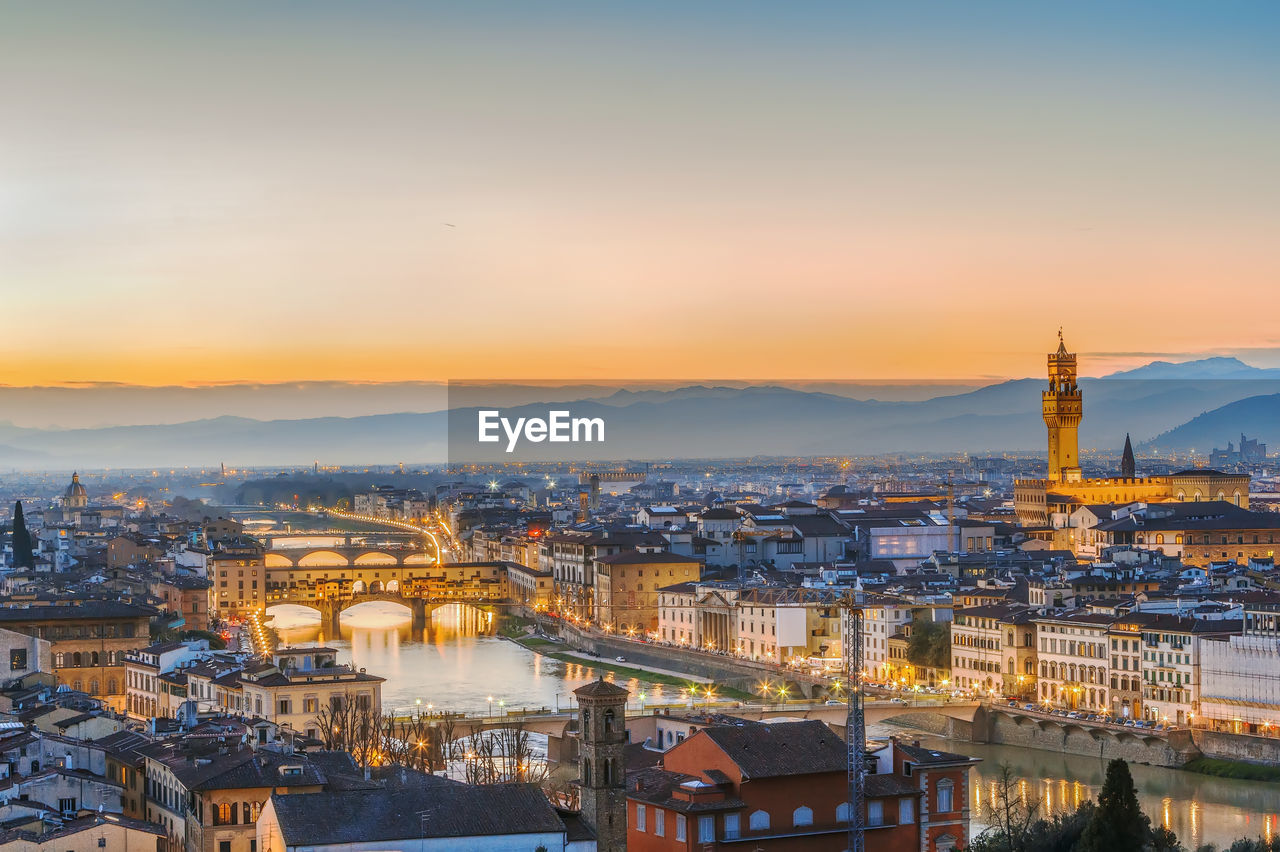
pixel 855 722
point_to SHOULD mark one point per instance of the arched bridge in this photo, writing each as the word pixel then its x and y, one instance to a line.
pixel 348 556
pixel 421 608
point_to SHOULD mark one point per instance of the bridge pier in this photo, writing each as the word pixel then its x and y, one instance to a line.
pixel 330 619
pixel 419 609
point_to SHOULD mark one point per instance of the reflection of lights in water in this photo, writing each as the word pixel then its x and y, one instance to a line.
pixel 1195 819
pixel 290 617
pixel 1164 811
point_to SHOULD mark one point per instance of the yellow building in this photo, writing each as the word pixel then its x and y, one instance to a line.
pixel 1065 489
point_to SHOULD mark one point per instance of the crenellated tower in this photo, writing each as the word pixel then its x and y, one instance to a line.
pixel 1063 407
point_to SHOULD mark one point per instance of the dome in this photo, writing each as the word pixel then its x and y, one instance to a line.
pixel 75 497
pixel 75 489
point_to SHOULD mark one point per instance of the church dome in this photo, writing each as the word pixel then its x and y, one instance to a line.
pixel 75 495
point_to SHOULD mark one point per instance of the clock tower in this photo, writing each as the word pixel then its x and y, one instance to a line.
pixel 1063 407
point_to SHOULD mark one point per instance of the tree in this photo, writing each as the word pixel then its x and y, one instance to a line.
pixel 930 644
pixel 24 555
pixel 1118 824
pixel 1012 814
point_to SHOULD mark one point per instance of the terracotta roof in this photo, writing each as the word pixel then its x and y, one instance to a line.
pixel 600 689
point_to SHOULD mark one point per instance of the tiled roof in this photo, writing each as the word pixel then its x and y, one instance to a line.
pixel 784 748
pixel 437 809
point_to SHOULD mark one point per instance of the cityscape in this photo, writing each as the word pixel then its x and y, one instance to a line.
pixel 574 427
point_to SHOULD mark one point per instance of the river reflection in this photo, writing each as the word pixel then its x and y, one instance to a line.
pixel 456 663
pixel 1198 808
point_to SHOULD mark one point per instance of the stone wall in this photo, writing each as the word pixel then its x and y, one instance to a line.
pixel 1240 747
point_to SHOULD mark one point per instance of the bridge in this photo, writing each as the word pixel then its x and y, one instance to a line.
pixel 556 723
pixel 420 608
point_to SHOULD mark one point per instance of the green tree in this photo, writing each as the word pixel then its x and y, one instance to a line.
pixel 1118 825
pixel 24 555
pixel 930 644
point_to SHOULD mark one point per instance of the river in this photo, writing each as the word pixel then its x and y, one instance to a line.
pixel 457 663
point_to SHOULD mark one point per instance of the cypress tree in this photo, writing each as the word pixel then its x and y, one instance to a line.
pixel 1118 824
pixel 23 553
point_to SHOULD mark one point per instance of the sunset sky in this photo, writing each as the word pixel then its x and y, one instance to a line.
pixel 314 190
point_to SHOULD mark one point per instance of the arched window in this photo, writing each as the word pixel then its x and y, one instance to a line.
pixel 608 721
pixel 586 772
pixel 1159 538
pixel 945 791
pixel 244 813
pixel 95 658
pixel 759 821
pixel 75 659
pixel 606 772
pixel 843 812
pixel 93 687
pixel 222 816
pixel 802 816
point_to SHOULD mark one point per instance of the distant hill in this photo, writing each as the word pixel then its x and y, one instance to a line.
pixel 1257 416
pixel 690 422
pixel 1230 369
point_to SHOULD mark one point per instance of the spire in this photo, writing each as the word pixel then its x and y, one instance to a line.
pixel 1126 459
pixel 1062 344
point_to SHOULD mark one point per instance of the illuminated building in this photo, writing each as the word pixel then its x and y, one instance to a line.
pixel 1065 489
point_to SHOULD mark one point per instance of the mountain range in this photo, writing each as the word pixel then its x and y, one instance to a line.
pixel 1170 406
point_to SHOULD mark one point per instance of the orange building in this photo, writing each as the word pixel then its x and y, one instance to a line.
pixel 785 787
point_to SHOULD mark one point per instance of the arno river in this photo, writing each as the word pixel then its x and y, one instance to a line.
pixel 457 663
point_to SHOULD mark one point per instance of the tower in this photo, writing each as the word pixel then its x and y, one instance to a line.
pixel 1127 467
pixel 602 731
pixel 1063 407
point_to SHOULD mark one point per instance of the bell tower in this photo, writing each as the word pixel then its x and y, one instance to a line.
pixel 602 732
pixel 1063 407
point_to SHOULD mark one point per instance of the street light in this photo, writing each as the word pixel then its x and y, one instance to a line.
pixel 490 700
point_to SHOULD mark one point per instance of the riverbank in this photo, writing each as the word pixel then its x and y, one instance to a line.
pixel 649 674
pixel 1233 769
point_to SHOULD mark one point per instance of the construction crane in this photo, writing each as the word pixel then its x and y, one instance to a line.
pixel 855 722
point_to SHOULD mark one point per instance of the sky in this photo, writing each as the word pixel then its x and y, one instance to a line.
pixel 240 191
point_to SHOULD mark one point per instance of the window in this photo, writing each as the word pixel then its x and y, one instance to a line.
pixel 732 826
pixel 706 829
pixel 759 821
pixel 67 806
pixel 802 816
pixel 906 811
pixel 680 827
pixel 944 797
pixel 659 822
pixel 640 818
pixel 875 813
pixel 17 659
pixel 224 846
pixel 843 811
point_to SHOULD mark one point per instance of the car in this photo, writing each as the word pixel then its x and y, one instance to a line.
pixel 898 700
pixel 620 659
pixel 832 702
pixel 1028 706
pixel 1013 703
